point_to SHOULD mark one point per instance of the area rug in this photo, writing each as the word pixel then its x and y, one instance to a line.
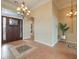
pixel 22 49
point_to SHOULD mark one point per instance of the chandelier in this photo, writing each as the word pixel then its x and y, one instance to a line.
pixel 22 9
pixel 72 12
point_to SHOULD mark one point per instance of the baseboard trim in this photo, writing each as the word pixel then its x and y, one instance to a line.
pixel 43 43
pixel 24 38
pixel 54 44
pixel 51 45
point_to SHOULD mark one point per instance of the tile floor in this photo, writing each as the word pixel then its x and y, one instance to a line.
pixel 59 51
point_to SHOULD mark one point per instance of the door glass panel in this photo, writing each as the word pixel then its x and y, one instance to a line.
pixel 20 28
pixel 4 28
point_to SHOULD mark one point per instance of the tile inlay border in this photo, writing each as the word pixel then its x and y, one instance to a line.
pixel 22 49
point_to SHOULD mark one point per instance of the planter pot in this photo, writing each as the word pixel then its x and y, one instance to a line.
pixel 63 37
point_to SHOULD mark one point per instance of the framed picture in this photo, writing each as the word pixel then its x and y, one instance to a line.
pixel 13 22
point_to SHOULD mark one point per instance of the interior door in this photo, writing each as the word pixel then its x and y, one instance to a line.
pixel 13 29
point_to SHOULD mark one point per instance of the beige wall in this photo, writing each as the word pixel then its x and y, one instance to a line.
pixel 45 24
pixel 71 33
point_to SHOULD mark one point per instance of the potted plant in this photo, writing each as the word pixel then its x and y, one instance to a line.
pixel 63 28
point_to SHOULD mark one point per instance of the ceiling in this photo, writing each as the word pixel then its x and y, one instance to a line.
pixel 64 3
pixel 29 3
pixel 32 4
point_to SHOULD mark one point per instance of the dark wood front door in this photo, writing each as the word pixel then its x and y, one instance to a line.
pixel 13 29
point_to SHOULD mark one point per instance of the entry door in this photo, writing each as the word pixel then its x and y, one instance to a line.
pixel 13 29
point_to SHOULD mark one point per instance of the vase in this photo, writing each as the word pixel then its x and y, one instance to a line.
pixel 63 37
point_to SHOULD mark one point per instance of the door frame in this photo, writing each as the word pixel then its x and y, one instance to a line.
pixel 21 20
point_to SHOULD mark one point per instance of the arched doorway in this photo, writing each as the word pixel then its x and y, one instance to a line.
pixel 32 27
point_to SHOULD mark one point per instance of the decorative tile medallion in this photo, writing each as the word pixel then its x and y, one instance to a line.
pixel 23 48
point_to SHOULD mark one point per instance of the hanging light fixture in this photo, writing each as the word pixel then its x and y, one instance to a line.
pixel 72 12
pixel 22 9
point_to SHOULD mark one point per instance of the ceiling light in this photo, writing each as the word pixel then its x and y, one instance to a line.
pixel 25 7
pixel 18 12
pixel 28 11
pixel 22 9
pixel 22 5
pixel 72 12
pixel 75 13
pixel 18 8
